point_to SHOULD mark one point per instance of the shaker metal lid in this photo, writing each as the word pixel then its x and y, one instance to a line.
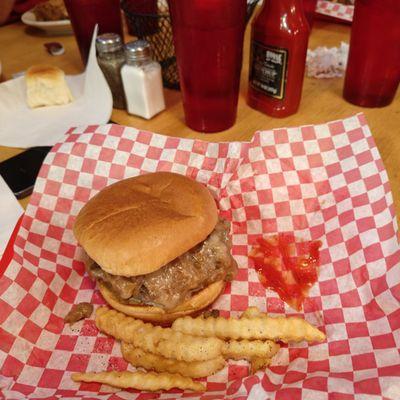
pixel 138 50
pixel 108 42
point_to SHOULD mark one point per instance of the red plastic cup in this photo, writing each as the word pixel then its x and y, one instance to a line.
pixel 373 68
pixel 208 38
pixel 85 14
pixel 143 19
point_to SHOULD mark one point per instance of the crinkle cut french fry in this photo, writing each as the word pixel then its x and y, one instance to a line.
pixel 248 349
pixel 148 381
pixel 258 364
pixel 291 329
pixel 154 339
pixel 195 369
pixel 252 312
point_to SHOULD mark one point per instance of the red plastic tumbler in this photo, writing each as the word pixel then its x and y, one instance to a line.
pixel 143 19
pixel 85 14
pixel 373 68
pixel 208 38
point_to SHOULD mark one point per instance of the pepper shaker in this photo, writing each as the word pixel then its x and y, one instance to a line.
pixel 141 78
pixel 111 57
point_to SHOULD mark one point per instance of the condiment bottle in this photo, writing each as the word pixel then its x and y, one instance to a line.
pixel 279 41
pixel 111 57
pixel 141 77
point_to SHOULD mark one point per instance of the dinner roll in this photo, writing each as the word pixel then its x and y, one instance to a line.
pixel 46 86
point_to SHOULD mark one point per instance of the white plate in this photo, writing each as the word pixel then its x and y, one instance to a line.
pixel 62 27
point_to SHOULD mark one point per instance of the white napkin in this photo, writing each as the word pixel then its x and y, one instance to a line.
pixel 23 127
pixel 324 62
pixel 10 211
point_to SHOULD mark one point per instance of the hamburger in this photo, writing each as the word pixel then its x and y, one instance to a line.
pixel 156 246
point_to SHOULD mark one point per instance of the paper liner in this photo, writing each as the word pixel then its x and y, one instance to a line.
pixel 323 182
pixel 335 10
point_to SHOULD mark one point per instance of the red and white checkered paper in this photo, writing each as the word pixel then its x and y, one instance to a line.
pixel 324 182
pixel 335 10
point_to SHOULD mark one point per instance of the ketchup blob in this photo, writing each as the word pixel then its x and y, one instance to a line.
pixel 286 266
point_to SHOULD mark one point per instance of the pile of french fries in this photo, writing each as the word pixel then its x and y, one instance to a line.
pixel 194 347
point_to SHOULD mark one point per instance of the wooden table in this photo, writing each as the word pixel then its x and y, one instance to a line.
pixel 322 100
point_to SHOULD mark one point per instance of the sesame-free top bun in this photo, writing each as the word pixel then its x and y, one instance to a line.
pixel 137 225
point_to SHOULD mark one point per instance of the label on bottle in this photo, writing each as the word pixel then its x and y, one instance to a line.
pixel 268 69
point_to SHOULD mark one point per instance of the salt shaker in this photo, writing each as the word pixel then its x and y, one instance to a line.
pixel 141 78
pixel 111 57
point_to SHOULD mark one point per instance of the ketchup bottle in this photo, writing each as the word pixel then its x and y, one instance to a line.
pixel 279 41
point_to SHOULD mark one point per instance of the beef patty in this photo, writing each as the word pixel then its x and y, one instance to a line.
pixel 206 263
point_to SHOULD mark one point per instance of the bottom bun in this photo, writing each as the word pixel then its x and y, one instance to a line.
pixel 191 306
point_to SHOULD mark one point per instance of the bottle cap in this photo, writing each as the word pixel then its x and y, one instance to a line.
pixel 138 50
pixel 108 43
